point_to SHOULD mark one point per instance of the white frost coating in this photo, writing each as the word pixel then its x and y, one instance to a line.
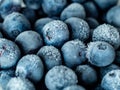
pixel 111 81
pixel 19 2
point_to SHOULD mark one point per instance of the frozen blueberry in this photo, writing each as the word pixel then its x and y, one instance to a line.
pixel 9 6
pixel 78 1
pixel 107 33
pixel 60 77
pixel 40 23
pixel 9 53
pixel 14 24
pixel 5 76
pixel 53 7
pixel 93 23
pixel 30 14
pixel 30 66
pixel 113 16
pixel 98 87
pixel 1 36
pixel 74 87
pixel 55 33
pixel 51 56
pixel 105 70
pixel 111 81
pixel 105 4
pixel 33 4
pixel 91 9
pixel 73 10
pixel 74 53
pixel 79 28
pixel 17 83
pixel 29 41
pixel 100 53
pixel 86 74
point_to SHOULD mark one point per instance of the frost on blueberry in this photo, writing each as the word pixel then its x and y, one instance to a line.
pixel 60 77
pixel 9 53
pixel 55 33
pixel 74 87
pixel 30 66
pixel 51 56
pixel 107 33
pixel 79 28
pixel 100 53
pixel 111 81
pixel 17 83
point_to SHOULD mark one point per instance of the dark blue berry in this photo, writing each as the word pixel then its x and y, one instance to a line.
pixel 74 87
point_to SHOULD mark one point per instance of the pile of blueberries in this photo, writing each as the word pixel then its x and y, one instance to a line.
pixel 59 45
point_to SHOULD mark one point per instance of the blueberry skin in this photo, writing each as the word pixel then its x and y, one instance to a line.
pixel 100 53
pixel 55 33
pixel 40 23
pixel 107 33
pixel 91 9
pixel 113 16
pixel 17 83
pixel 105 70
pixel 30 66
pixel 14 24
pixel 60 77
pixel 74 87
pixel 73 10
pixel 51 56
pixel 104 4
pixel 30 14
pixel 9 6
pixel 74 53
pixel 111 81
pixel 33 4
pixel 9 53
pixel 29 42
pixel 86 74
pixel 5 76
pixel 53 7
pixel 79 28
pixel 78 1
pixel 92 22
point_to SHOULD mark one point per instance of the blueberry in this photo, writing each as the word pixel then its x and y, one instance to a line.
pixel 79 28
pixel 73 10
pixel 111 81
pixel 51 56
pixel 105 4
pixel 5 76
pixel 55 33
pixel 74 87
pixel 78 1
pixel 53 7
pixel 107 33
pixel 91 9
pixel 30 14
pixel 105 70
pixel 92 22
pixel 40 23
pixel 86 74
pixel 33 4
pixel 14 24
pixel 60 77
pixel 74 53
pixel 30 66
pixel 9 53
pixel 1 36
pixel 100 53
pixel 113 16
pixel 17 83
pixel 29 41
pixel 9 6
